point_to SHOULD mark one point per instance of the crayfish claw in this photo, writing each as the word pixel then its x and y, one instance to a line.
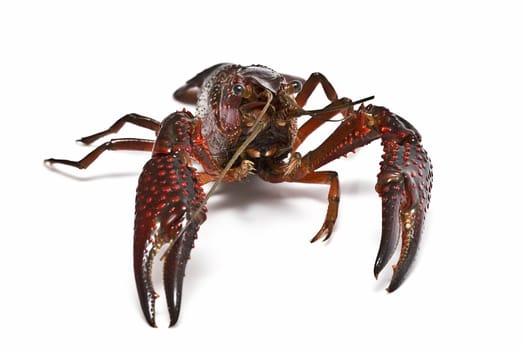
pixel 411 218
pixel 391 202
pixel 404 185
pixel 144 285
pixel 174 268
pixel 169 211
pixel 145 249
pixel 173 282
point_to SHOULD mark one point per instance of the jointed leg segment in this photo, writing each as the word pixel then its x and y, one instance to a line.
pixel 120 144
pixel 329 178
pixel 125 144
pixel 133 118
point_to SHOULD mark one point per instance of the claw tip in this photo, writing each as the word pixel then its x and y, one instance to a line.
pixel 378 267
pixel 392 287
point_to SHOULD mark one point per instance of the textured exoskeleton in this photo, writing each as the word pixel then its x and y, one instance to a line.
pixel 246 123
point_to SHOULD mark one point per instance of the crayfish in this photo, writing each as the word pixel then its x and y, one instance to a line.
pixel 246 124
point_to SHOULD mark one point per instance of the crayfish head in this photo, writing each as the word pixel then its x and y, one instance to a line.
pixel 236 102
pixel 257 83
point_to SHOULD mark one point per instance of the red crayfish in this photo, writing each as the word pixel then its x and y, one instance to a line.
pixel 246 124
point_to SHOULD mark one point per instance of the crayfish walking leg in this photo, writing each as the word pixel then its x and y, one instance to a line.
pixel 121 144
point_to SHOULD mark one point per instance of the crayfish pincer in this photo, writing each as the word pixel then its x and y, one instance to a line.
pixel 246 124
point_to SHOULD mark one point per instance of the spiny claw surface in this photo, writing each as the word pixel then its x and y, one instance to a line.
pixel 168 192
pixel 404 185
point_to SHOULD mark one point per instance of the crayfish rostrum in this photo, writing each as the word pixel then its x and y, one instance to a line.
pixel 246 124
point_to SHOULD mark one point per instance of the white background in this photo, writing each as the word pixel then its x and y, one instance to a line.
pixel 69 69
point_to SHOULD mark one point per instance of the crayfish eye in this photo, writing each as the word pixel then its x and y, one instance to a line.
pixel 296 86
pixel 238 89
